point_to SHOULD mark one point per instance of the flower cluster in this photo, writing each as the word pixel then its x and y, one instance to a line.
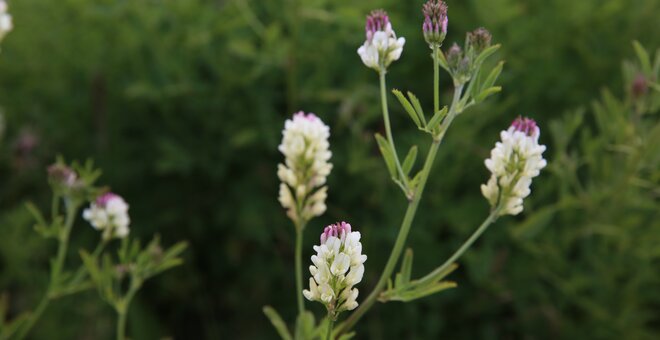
pixel 382 47
pixel 6 24
pixel 306 150
pixel 513 163
pixel 478 40
pixel 109 214
pixel 338 266
pixel 435 22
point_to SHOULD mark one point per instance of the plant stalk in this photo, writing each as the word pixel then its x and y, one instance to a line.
pixel 411 210
pixel 56 270
pixel 331 323
pixel 388 128
pixel 298 260
pixel 466 245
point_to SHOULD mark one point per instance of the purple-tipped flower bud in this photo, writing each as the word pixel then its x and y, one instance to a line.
pixel 435 22
pixel 338 230
pixel 454 56
pixel 639 86
pixel 526 125
pixel 377 20
pixel 61 175
pixel 478 40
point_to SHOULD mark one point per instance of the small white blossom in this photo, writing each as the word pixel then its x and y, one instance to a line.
pixel 382 47
pixel 513 163
pixel 6 24
pixel 337 266
pixel 109 214
pixel 305 147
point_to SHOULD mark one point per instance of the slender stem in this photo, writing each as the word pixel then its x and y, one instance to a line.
pixel 56 269
pixel 121 324
pixel 388 129
pixel 436 80
pixel 122 308
pixel 407 221
pixel 331 323
pixel 468 243
pixel 299 280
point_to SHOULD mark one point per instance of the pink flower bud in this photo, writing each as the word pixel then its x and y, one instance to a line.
pixel 525 125
pixel 377 20
pixel 339 230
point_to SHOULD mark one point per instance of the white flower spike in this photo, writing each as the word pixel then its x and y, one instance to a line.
pixel 337 266
pixel 6 24
pixel 382 47
pixel 513 163
pixel 109 214
pixel 305 147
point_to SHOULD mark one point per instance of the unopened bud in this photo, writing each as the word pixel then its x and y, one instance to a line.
pixel 62 175
pixel 435 22
pixel 639 86
pixel 479 40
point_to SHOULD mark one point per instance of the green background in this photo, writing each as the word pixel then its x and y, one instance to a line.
pixel 181 103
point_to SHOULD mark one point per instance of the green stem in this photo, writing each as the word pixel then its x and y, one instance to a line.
pixel 468 243
pixel 436 80
pixel 55 270
pixel 298 260
pixel 331 323
pixel 122 308
pixel 407 222
pixel 121 324
pixel 388 129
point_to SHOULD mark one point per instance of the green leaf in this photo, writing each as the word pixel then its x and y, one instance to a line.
pixel 643 56
pixel 277 322
pixel 492 76
pixel 305 326
pixel 442 60
pixel 388 154
pixel 410 160
pixel 437 118
pixel 407 107
pixel 485 54
pixel 406 265
pixel 425 291
pixel 488 92
pixel 418 107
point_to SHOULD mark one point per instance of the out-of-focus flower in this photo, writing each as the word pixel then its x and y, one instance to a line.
pixel 61 175
pixel 435 22
pixel 513 163
pixel 337 267
pixel 382 47
pixel 109 213
pixel 6 24
pixel 305 147
pixel 478 40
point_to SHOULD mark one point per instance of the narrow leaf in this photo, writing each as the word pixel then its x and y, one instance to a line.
pixel 406 265
pixel 493 75
pixel 388 156
pixel 442 60
pixel 410 160
pixel 437 118
pixel 485 54
pixel 407 107
pixel 643 56
pixel 417 106
pixel 277 322
pixel 488 92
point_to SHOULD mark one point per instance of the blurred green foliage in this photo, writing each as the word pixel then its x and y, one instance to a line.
pixel 182 102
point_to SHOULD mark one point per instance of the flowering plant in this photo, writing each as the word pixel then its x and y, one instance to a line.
pixel 74 185
pixel 338 265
